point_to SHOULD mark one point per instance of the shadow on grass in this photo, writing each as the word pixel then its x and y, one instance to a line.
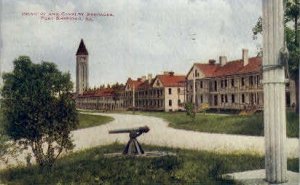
pixel 91 167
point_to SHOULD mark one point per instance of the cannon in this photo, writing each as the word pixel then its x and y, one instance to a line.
pixel 133 147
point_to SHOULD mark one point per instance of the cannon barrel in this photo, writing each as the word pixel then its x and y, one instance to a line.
pixel 144 129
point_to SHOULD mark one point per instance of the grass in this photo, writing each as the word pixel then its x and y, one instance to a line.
pixel 227 124
pixel 86 120
pixel 91 167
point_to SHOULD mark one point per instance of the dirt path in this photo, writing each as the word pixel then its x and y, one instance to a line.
pixel 162 135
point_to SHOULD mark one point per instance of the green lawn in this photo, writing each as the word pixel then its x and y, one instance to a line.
pixel 92 120
pixel 91 167
pixel 227 124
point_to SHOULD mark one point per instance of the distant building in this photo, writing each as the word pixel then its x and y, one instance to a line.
pixel 235 85
pixel 230 85
pixel 105 99
pixel 165 92
pixel 129 92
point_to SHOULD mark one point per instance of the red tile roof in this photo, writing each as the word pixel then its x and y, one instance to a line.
pixel 254 66
pixel 231 68
pixel 207 69
pixel 98 93
pixel 145 85
pixel 134 83
pixel 168 80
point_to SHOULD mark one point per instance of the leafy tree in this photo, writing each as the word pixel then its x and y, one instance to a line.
pixel 4 142
pixel 38 109
pixel 190 110
pixel 292 14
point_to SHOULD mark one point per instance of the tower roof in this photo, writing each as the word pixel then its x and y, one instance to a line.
pixel 82 49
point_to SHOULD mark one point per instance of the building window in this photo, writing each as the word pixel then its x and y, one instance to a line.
pixel 226 100
pixel 201 99
pixel 243 98
pixel 170 91
pixel 225 81
pixel 232 82
pixel 216 86
pixel 170 102
pixel 201 84
pixel 179 101
pixel 232 98
pixel 222 98
pixel 178 90
pixel 221 83
pixel 243 81
pixel 251 80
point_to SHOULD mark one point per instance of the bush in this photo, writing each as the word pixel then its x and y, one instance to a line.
pixel 190 110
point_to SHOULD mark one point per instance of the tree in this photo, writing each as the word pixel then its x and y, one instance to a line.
pixel 117 91
pixel 292 14
pixel 5 146
pixel 190 110
pixel 38 109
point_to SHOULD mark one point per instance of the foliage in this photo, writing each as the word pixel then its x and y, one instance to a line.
pixel 92 167
pixel 38 109
pixel 190 110
pixel 227 124
pixel 6 148
pixel 292 15
pixel 204 107
pixel 118 89
pixel 87 120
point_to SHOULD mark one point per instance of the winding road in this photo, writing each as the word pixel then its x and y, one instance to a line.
pixel 162 135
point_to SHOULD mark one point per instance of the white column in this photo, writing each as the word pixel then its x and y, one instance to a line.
pixel 133 97
pixel 274 92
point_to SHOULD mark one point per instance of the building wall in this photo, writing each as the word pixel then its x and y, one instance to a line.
pixel 237 92
pixel 242 91
pixel 151 99
pixel 99 103
pixel 174 98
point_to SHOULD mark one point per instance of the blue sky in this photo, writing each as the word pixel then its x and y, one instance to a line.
pixel 143 36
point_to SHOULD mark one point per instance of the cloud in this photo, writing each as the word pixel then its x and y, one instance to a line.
pixel 142 37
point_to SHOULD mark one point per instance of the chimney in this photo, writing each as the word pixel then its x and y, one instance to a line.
pixel 245 57
pixel 143 78
pixel 149 78
pixel 171 73
pixel 223 60
pixel 212 61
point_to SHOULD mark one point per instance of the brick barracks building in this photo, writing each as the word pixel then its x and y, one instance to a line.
pixel 235 85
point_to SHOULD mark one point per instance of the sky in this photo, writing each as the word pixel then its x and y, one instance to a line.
pixel 142 36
